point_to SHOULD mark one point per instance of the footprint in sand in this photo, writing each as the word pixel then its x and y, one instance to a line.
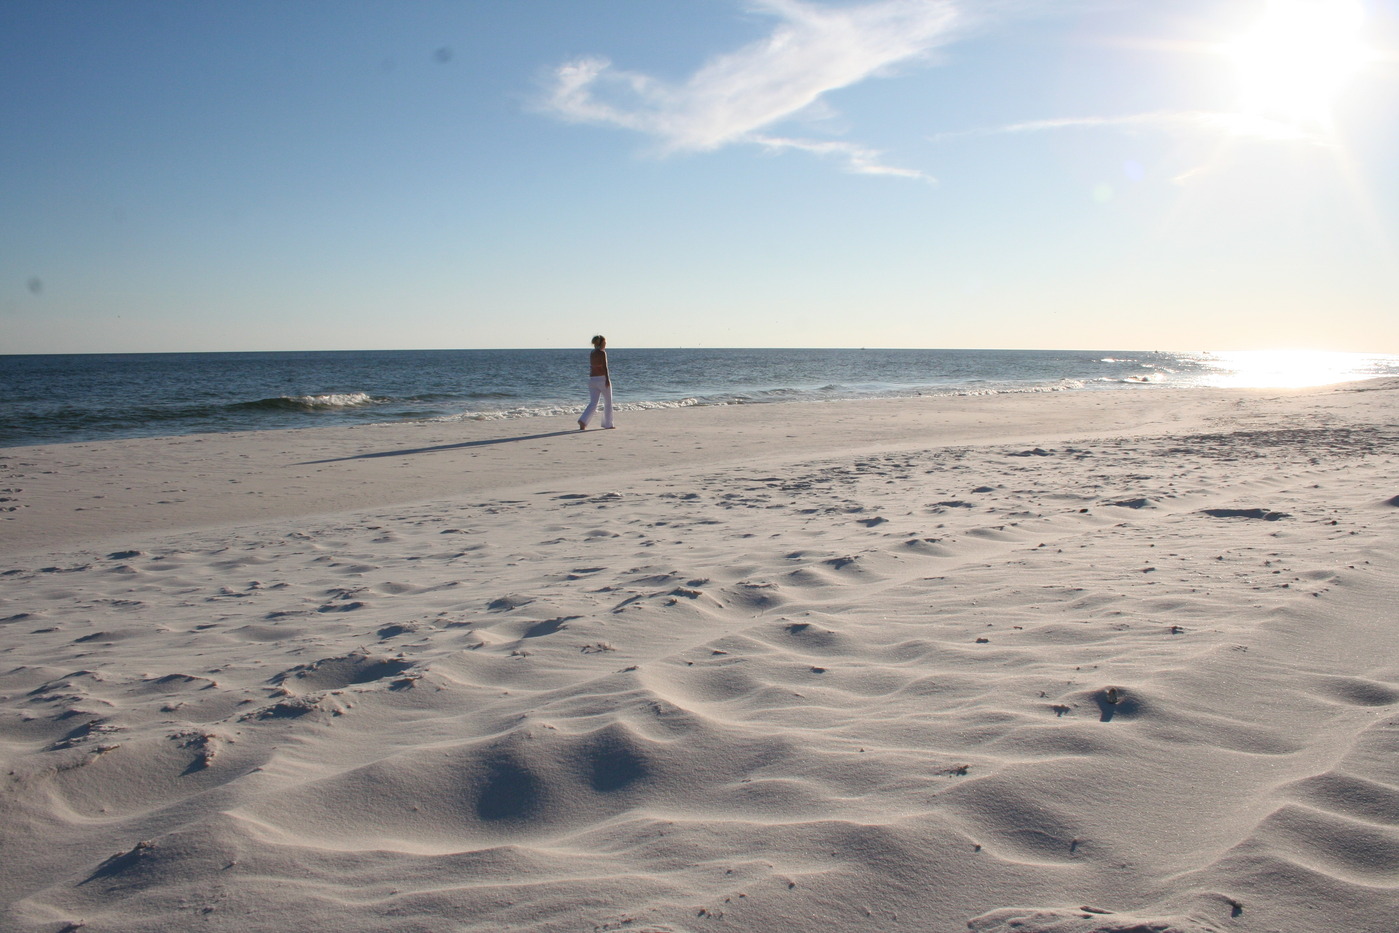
pixel 341 607
pixel 338 673
pixel 508 603
pixel 547 627
pixel 1264 514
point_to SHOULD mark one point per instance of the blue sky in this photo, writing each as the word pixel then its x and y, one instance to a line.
pixel 1130 174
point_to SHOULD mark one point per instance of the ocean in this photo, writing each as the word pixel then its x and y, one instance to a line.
pixel 47 399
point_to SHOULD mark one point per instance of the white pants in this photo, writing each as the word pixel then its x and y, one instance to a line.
pixel 598 388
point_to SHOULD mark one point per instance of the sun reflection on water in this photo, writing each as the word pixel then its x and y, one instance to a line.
pixel 1291 369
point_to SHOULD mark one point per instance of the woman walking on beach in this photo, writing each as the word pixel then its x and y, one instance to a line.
pixel 599 385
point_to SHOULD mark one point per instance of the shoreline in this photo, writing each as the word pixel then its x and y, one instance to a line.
pixel 1039 664
pixel 68 493
pixel 58 402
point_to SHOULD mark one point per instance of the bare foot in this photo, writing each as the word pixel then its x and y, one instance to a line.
pixel 582 426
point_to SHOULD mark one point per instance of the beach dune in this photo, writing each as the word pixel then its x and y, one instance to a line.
pixel 1088 662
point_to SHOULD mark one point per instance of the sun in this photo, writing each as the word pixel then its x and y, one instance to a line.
pixel 1297 57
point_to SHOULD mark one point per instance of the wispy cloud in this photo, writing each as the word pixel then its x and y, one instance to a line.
pixel 812 51
pixel 1215 122
pixel 1219 124
pixel 856 159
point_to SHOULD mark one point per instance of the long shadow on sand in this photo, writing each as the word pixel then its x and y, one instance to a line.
pixel 428 450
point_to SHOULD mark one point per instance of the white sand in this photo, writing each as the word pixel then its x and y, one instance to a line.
pixel 1109 661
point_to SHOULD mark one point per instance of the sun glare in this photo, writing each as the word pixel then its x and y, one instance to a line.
pixel 1287 369
pixel 1297 57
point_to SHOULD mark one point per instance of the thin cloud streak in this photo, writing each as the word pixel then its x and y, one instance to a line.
pixel 857 159
pixel 812 51
pixel 1219 122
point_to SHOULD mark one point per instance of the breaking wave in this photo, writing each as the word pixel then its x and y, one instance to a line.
pixel 328 402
